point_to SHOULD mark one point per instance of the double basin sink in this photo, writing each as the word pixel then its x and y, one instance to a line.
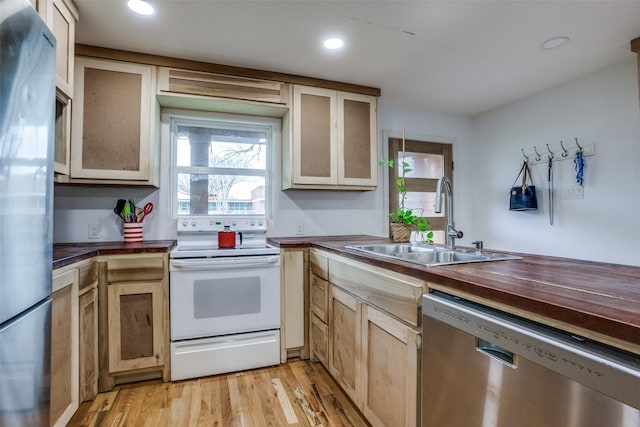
pixel 429 255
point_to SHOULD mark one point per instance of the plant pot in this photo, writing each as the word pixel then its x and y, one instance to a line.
pixel 401 232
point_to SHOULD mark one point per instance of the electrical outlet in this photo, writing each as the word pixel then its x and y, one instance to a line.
pixel 573 193
pixel 94 231
pixel 299 229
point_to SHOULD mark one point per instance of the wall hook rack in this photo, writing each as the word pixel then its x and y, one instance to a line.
pixel 559 154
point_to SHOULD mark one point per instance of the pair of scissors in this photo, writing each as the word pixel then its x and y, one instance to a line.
pixel 148 208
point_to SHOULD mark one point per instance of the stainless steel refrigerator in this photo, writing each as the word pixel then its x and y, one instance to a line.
pixel 27 102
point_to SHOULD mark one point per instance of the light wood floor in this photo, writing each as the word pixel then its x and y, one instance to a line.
pixel 298 393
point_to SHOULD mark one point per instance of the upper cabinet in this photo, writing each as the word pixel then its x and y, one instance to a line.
pixel 63 24
pixel 113 123
pixel 61 16
pixel 179 82
pixel 333 142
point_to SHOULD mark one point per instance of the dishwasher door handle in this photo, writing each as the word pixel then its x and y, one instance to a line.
pixel 224 263
pixel 503 356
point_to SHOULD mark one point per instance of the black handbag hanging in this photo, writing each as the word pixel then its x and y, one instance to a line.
pixel 523 197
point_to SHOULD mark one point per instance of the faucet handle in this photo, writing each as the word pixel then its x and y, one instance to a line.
pixel 478 245
pixel 455 233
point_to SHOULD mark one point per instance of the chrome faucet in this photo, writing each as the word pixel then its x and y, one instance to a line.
pixel 451 232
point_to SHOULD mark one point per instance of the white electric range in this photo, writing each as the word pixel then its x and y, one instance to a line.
pixel 224 303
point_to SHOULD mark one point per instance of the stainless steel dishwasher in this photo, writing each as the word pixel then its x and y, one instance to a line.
pixel 486 368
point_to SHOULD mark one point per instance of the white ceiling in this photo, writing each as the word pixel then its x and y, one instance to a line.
pixel 463 57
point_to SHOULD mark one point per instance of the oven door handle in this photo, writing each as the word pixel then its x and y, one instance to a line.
pixel 225 263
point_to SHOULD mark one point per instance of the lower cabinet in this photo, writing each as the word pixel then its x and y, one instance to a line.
pixel 374 357
pixel 390 376
pixel 345 332
pixel 89 344
pixel 64 347
pixel 294 265
pixel 135 326
pixel 134 321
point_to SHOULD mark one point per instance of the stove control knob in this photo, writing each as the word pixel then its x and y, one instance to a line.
pixel 253 223
pixel 193 223
pixel 185 223
pixel 259 223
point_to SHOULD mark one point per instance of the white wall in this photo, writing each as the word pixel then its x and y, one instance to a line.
pixel 601 109
pixel 321 212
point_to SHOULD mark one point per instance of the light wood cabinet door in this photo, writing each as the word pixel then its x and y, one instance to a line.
pixel 136 326
pixel 318 329
pixel 62 135
pixel 357 140
pixel 319 290
pixel 315 136
pixel 61 16
pixel 133 314
pixel 63 25
pixel 64 347
pixel 345 326
pixel 88 344
pixel 180 82
pixel 390 376
pixel 319 340
pixel 113 123
pixel 319 264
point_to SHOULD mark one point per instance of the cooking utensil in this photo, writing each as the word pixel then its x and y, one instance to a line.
pixel 119 208
pixel 126 211
pixel 227 238
pixel 142 213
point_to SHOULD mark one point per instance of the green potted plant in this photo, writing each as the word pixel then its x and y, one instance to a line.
pixel 404 221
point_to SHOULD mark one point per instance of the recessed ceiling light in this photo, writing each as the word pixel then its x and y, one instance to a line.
pixel 333 43
pixel 554 42
pixel 141 7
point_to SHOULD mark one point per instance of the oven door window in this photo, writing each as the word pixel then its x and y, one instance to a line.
pixel 213 298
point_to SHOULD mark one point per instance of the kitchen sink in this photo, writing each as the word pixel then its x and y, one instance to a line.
pixel 429 255
pixel 393 249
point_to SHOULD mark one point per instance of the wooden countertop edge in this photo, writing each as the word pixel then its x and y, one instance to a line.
pixel 76 252
pixel 589 324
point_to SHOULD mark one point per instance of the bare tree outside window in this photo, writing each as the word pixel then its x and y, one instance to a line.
pixel 221 170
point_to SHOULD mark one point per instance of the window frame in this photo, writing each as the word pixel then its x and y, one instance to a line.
pixel 271 125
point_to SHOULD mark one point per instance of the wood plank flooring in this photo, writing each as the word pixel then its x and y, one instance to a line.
pixel 298 393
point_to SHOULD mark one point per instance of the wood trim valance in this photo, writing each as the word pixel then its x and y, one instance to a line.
pixel 165 61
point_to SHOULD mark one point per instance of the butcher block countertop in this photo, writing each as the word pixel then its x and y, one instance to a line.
pixel 69 253
pixel 597 300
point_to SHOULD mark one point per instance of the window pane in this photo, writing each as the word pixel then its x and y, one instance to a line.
pixel 423 165
pixel 221 147
pixel 422 200
pixel 438 237
pixel 202 194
